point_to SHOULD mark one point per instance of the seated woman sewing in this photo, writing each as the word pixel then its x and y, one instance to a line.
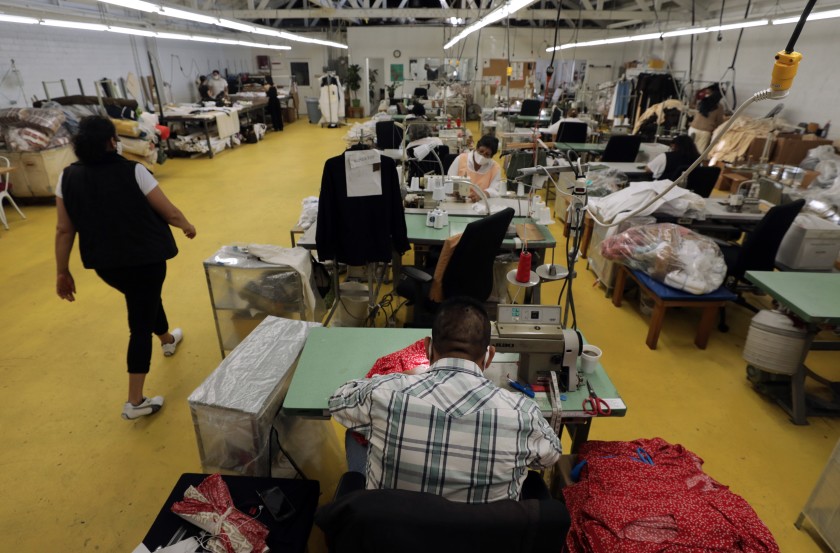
pixel 479 167
pixel 668 165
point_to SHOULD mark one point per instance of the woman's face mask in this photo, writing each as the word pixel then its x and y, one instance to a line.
pixel 479 159
pixel 119 148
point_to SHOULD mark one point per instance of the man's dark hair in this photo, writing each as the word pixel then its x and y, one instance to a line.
pixel 91 144
pixel 461 326
pixel 490 142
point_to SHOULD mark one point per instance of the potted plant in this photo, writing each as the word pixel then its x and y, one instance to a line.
pixel 392 89
pixel 354 82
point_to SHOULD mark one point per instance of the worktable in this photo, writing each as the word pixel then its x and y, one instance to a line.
pixel 815 298
pixel 205 120
pixel 333 356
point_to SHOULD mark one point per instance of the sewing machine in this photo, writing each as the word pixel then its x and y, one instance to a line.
pixel 543 345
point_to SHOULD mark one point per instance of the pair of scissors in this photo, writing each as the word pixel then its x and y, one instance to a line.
pixel 594 405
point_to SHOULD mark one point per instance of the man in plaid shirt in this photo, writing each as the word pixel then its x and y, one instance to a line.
pixel 448 431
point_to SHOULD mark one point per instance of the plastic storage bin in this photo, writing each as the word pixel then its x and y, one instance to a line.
pixel 822 508
pixel 313 111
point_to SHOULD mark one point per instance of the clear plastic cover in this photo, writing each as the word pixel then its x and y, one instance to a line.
pixel 234 407
pixel 670 254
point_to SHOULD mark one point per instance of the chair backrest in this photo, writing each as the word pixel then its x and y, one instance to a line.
pixel 374 521
pixel 622 148
pixel 702 180
pixel 448 160
pixel 530 108
pixel 556 114
pixel 388 135
pixel 429 164
pixel 571 132
pixel 758 252
pixel 421 93
pixel 470 270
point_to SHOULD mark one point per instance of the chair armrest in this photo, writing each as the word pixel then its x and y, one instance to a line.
pixel 417 274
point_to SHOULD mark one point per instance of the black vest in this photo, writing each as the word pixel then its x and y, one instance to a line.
pixel 674 161
pixel 116 223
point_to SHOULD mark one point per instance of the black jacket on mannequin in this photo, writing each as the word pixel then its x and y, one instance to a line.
pixel 363 229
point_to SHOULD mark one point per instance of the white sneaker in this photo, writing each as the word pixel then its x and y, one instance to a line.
pixel 169 349
pixel 149 406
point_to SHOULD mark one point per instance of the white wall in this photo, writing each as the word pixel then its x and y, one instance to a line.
pixel 50 54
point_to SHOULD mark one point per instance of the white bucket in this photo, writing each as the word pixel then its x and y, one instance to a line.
pixel 773 343
pixel 353 305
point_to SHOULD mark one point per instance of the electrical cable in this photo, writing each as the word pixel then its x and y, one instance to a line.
pixel 720 21
pixel 799 25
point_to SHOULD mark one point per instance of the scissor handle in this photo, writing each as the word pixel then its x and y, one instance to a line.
pixel 603 407
pixel 593 405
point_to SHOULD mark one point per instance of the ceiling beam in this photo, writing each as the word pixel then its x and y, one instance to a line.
pixel 423 13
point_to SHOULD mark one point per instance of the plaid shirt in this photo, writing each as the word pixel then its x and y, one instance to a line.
pixel 449 431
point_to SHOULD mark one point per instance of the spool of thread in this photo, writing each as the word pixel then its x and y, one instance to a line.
pixel 523 271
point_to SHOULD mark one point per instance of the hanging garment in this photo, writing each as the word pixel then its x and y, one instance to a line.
pixel 360 229
pixel 329 102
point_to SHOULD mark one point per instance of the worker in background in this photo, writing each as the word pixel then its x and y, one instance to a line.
pixel 425 431
pixel 710 115
pixel 218 85
pixel 274 107
pixel 571 117
pixel 479 167
pixel 670 164
pixel 204 90
pixel 421 133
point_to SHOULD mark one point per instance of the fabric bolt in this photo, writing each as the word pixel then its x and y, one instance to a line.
pixel 624 504
pixel 362 229
pixel 449 431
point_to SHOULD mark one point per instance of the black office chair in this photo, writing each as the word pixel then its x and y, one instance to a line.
pixel 448 160
pixel 530 108
pixel 469 272
pixel 428 165
pixel 556 114
pixel 622 148
pixel 384 521
pixel 702 180
pixel 421 93
pixel 389 136
pixel 757 253
pixel 571 132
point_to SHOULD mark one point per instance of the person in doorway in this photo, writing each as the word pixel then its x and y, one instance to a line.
pixel 710 115
pixel 218 86
pixel 122 218
pixel 426 431
pixel 274 107
pixel 479 167
pixel 204 89
pixel 670 164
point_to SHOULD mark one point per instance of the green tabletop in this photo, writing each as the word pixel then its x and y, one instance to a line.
pixel 580 147
pixel 419 233
pixel 813 296
pixel 333 356
pixel 531 118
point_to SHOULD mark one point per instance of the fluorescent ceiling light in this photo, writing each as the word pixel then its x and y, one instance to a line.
pixel 17 19
pixel 269 46
pixel 189 16
pixel 684 32
pixel 266 32
pixel 128 31
pixel 299 38
pixel 134 5
pixel 199 38
pixel 227 41
pixel 649 36
pixel 173 36
pixel 499 13
pixel 236 26
pixel 74 25
pixel 732 26
pixel 813 17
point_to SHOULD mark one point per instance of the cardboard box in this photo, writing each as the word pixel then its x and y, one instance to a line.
pixel 290 115
pixel 792 150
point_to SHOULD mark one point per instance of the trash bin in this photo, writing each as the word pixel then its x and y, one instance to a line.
pixel 313 110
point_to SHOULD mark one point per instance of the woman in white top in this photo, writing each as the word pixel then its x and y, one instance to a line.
pixel 479 167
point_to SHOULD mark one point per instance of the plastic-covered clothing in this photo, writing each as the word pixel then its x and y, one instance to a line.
pixel 670 254
pixel 677 202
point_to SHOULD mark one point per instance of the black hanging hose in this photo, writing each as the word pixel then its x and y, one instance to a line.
pixel 799 25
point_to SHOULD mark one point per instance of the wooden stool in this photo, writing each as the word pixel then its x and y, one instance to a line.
pixel 664 297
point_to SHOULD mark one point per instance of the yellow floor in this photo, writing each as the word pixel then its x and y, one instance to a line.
pixel 76 477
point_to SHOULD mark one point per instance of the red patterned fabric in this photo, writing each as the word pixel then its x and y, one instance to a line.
pixel 210 507
pixel 400 361
pixel 623 504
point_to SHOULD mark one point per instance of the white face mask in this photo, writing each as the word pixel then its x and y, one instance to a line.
pixel 119 148
pixel 479 159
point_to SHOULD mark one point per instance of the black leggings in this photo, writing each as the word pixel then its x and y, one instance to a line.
pixel 141 286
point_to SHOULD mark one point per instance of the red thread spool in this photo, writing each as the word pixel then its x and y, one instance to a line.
pixel 458 122
pixel 523 272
